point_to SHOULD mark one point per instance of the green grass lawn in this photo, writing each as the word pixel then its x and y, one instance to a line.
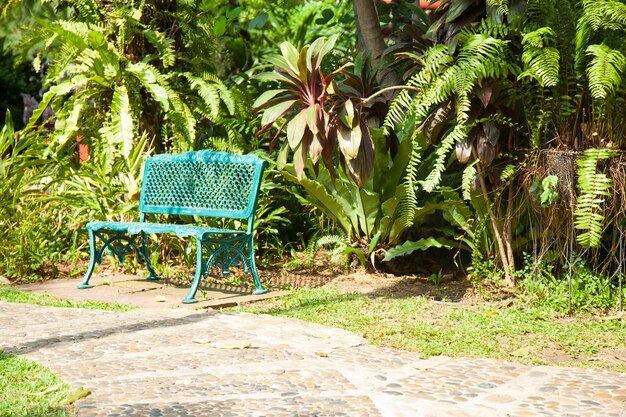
pixel 27 389
pixel 16 296
pixel 530 335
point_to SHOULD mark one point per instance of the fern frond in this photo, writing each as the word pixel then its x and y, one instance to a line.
pixel 605 70
pixel 463 83
pixel 332 240
pixel 501 5
pixel 73 32
pixel 209 94
pixel 469 174
pixel 88 10
pixel 458 133
pixel 508 173
pixel 480 45
pixel 540 60
pixel 435 59
pixel 594 188
pixel 604 14
pixel 408 202
pixel 495 29
pixel 122 128
pixel 183 119
pixel 163 44
pixel 152 81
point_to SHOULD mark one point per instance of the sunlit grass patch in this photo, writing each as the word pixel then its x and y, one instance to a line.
pixel 16 296
pixel 533 335
pixel 27 389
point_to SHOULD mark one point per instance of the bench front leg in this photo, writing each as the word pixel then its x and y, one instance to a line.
pixel 92 261
pixel 145 255
pixel 255 275
pixel 191 295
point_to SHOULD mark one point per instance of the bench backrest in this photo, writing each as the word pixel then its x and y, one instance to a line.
pixel 202 183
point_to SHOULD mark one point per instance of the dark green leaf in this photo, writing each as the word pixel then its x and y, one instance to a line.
pixel 258 22
pixel 233 13
pixel 219 27
pixel 422 244
pixel 272 113
pixel 266 96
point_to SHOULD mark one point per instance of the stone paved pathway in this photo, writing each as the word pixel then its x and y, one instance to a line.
pixel 150 363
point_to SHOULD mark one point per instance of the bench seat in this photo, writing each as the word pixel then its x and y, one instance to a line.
pixel 180 230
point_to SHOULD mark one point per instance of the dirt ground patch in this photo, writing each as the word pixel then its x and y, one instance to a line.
pixel 449 287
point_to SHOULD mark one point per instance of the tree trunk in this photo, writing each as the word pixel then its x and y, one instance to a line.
pixel 507 262
pixel 371 39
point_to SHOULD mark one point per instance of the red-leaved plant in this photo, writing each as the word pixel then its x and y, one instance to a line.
pixel 318 114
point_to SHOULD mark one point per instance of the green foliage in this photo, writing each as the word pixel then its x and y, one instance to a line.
pixel 446 76
pixel 594 186
pixel 575 51
pixel 116 75
pixel 47 198
pixel 31 239
pixel 546 190
pixel 369 215
pixel 409 247
pixel 605 70
pixel 542 284
pixel 540 60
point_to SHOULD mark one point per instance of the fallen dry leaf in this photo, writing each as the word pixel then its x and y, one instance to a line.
pixel 231 344
pixel 46 391
pixel 525 351
pixel 77 394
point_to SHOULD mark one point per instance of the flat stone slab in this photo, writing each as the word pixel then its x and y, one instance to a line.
pixel 180 362
pixel 130 289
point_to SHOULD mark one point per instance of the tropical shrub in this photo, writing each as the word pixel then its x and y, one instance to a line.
pixel 35 233
pixel 115 74
pixel 315 120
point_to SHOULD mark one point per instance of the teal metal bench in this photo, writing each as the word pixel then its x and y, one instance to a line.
pixel 203 183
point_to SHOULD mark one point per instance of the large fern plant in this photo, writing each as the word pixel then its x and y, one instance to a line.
pixel 447 107
pixel 574 72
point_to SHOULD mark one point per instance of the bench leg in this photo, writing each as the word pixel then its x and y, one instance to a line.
pixel 145 254
pixel 92 261
pixel 191 295
pixel 255 275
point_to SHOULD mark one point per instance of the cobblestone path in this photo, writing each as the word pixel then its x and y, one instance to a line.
pixel 188 363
